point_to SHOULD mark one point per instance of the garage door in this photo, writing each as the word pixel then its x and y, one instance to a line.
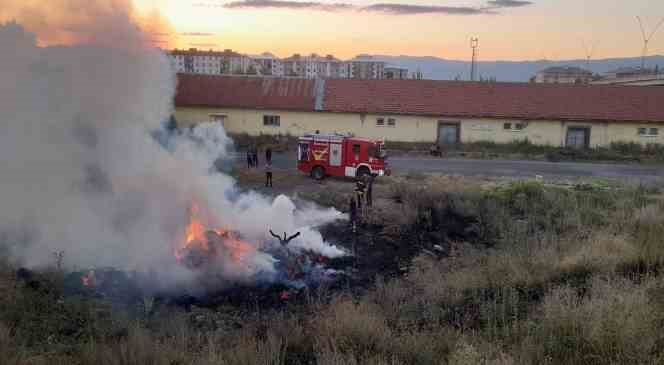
pixel 448 134
pixel 578 138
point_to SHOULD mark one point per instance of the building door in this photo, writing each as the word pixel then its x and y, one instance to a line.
pixel 219 118
pixel 578 137
pixel 335 154
pixel 448 134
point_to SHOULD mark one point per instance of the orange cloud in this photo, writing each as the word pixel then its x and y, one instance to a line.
pixel 113 23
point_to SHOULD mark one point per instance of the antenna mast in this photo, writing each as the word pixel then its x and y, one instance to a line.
pixel 474 43
pixel 646 39
pixel 589 52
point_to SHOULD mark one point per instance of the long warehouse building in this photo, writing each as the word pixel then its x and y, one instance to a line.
pixel 447 112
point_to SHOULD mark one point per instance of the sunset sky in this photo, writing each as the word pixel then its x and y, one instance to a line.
pixel 507 29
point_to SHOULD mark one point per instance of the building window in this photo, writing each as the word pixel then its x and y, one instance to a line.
pixel 648 132
pixel 380 122
pixel 271 120
pixel 391 122
pixel 516 127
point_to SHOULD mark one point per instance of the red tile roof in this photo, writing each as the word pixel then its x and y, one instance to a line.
pixel 451 99
pixel 496 100
pixel 245 92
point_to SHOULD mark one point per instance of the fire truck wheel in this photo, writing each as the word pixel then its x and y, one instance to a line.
pixel 318 173
pixel 363 172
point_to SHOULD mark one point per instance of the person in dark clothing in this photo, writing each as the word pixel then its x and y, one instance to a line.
pixel 255 156
pixel 250 159
pixel 370 190
pixel 268 155
pixel 353 213
pixel 359 192
pixel 268 175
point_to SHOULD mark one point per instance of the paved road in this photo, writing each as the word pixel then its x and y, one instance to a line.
pixel 509 168
pixel 469 167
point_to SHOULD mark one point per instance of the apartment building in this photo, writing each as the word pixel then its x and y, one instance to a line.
pixel 314 66
pixel 563 75
pixel 266 64
pixel 365 67
pixel 395 72
pixel 209 62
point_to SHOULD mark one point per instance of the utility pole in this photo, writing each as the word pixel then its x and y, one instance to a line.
pixel 646 40
pixel 474 42
pixel 589 52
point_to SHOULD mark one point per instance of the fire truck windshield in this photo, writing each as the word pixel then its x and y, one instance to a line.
pixel 376 151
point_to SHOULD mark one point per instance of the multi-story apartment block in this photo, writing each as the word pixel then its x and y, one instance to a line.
pixel 563 75
pixel 365 67
pixel 395 72
pixel 267 64
pixel 313 66
pixel 209 62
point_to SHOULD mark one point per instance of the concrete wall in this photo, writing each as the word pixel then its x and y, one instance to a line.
pixel 628 132
pixel 407 128
pixel 414 128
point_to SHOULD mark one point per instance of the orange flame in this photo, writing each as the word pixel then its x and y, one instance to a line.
pixel 196 237
pixel 88 279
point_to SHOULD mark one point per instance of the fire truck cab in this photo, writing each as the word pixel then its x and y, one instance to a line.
pixel 323 155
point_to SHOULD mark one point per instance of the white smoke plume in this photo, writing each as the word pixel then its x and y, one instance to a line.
pixel 82 174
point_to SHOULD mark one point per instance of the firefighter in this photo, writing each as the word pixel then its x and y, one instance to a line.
pixel 268 175
pixel 254 156
pixel 353 214
pixel 359 192
pixel 285 240
pixel 369 198
pixel 268 155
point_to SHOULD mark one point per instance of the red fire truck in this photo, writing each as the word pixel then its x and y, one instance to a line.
pixel 323 155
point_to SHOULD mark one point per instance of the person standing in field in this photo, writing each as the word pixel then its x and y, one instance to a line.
pixel 369 198
pixel 255 156
pixel 250 159
pixel 268 174
pixel 352 211
pixel 268 155
pixel 359 191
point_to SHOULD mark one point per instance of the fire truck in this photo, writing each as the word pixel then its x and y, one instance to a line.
pixel 323 155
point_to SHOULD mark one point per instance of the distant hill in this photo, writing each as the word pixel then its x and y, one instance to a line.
pixel 519 71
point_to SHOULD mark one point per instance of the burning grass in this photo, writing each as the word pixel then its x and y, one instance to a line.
pixel 518 273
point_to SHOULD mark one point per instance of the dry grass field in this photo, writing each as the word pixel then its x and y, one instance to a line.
pixel 536 274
